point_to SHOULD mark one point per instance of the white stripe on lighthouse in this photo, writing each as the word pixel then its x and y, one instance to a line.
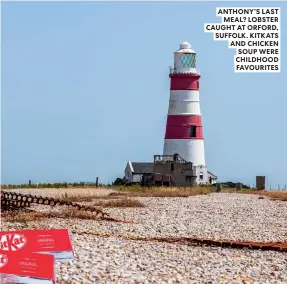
pixel 184 102
pixel 184 108
pixel 189 149
pixel 184 95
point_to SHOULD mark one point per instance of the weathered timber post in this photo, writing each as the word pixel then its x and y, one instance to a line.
pixel 218 187
pixel 260 182
pixel 238 186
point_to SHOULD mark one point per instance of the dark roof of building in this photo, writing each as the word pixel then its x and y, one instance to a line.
pixel 211 174
pixel 141 168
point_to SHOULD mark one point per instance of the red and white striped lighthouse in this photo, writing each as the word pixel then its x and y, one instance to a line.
pixel 184 134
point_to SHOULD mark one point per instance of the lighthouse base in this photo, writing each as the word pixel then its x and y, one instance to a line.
pixel 191 150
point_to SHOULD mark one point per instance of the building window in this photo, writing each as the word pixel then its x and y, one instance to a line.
pixel 192 131
pixel 201 175
pixel 188 178
pixel 172 167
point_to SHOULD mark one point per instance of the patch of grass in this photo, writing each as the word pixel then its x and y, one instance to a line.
pixel 68 213
pixel 23 217
pixel 117 194
pixel 74 213
pixel 197 190
pixel 123 202
pixel 129 188
pixel 75 198
pixel 52 185
pixel 87 197
pixel 168 191
pixel 273 194
pixel 70 193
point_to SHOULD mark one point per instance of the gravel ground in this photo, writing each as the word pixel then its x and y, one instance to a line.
pixel 214 216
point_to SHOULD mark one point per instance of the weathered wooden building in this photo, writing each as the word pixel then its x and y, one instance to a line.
pixel 167 170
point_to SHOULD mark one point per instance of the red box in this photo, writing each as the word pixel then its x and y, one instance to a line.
pixel 55 242
pixel 25 268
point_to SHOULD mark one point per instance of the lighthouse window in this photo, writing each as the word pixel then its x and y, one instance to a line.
pixel 187 60
pixel 192 131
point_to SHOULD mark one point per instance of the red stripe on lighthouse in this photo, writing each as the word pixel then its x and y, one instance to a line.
pixel 184 120
pixel 179 127
pixel 184 81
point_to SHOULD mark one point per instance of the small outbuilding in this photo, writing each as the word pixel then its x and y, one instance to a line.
pixel 136 171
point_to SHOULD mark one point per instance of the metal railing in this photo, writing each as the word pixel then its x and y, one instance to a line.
pixel 174 71
pixel 168 159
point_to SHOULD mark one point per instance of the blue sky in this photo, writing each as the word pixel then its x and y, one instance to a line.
pixel 85 88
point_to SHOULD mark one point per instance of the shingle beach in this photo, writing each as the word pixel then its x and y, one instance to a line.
pixel 105 253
